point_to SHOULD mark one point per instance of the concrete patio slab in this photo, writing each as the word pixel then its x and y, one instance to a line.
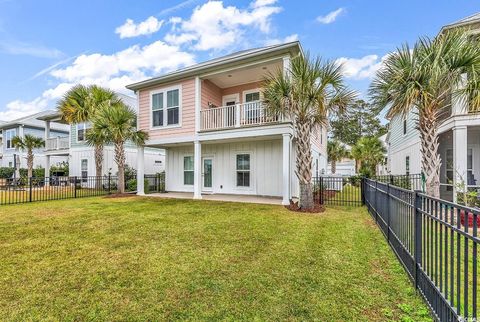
pixel 221 197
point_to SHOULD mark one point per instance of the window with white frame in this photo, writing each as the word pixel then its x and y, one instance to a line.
pixel 188 170
pixel 84 170
pixel 165 107
pixel 82 131
pixel 449 170
pixel 9 135
pixel 243 170
pixel 404 126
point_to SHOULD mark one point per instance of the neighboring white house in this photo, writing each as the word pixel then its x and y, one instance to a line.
pixel 81 158
pixel 28 125
pixel 218 139
pixel 345 167
pixel 382 168
pixel 459 139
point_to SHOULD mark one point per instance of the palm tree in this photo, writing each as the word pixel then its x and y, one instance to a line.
pixel 80 104
pixel 306 93
pixel 336 152
pixel 116 123
pixel 368 152
pixel 425 79
pixel 28 143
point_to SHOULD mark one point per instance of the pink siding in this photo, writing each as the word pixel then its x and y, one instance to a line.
pixel 187 112
pixel 211 93
pixel 240 88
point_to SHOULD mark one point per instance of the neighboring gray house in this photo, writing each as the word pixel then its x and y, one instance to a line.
pixel 28 125
pixel 81 156
pixel 459 139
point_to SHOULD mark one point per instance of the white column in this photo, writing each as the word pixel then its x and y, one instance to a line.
pixel 286 169
pixel 47 170
pixel 198 102
pixel 140 171
pixel 47 130
pixel 197 170
pixel 459 103
pixel 459 159
pixel 286 65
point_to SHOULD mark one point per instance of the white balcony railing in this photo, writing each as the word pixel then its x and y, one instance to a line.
pixel 239 115
pixel 58 143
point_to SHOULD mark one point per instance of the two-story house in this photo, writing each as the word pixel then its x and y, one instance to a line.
pixel 81 156
pixel 459 143
pixel 28 125
pixel 218 139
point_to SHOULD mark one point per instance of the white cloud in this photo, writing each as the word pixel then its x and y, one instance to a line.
pixel 23 48
pixel 361 68
pixel 114 71
pixel 276 41
pixel 130 29
pixel 214 26
pixel 330 17
pixel 179 6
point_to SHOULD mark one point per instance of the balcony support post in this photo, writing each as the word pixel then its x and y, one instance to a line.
pixel 237 115
pixel 47 170
pixel 197 170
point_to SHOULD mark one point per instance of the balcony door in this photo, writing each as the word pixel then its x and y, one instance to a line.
pixel 229 102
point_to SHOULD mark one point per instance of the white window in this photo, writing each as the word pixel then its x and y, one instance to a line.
pixel 10 164
pixel 165 105
pixel 81 131
pixel 407 165
pixel 9 135
pixel 84 169
pixel 188 170
pixel 243 170
pixel 449 167
pixel 404 126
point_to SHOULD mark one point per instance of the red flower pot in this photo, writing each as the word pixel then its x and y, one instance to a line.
pixel 470 219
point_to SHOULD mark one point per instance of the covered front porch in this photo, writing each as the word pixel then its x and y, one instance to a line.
pixel 459 149
pixel 244 169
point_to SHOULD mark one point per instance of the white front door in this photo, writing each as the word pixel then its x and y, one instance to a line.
pixel 207 174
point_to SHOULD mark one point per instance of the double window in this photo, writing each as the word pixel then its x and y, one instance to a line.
pixel 9 135
pixel 165 107
pixel 243 170
pixel 188 170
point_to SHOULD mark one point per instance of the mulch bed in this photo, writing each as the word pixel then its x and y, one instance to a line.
pixel 316 209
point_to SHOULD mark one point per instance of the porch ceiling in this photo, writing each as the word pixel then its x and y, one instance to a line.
pixel 244 75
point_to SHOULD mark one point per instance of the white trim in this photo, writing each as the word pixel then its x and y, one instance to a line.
pixel 164 90
pixel 207 189
pixel 252 187
pixel 249 91
pixel 185 155
pixel 231 97
pixel 11 148
pixel 198 102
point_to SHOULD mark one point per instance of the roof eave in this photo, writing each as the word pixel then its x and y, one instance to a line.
pixel 194 70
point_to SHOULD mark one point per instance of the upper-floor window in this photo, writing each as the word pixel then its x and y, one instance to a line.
pixel 9 135
pixel 81 131
pixel 165 105
pixel 252 96
pixel 405 126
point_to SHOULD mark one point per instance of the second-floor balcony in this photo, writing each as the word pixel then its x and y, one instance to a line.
pixel 57 143
pixel 236 116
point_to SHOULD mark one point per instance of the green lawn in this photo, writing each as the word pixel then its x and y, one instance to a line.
pixel 164 259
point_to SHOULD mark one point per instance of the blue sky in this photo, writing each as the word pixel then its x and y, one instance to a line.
pixel 47 46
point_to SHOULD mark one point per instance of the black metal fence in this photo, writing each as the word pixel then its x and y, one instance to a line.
pixel 407 181
pixel 337 190
pixel 23 190
pixel 437 243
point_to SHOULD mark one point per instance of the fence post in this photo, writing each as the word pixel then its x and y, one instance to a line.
pixel 417 235
pixel 109 182
pixel 320 181
pixel 30 186
pixel 388 212
pixel 75 186
pixel 375 202
pixel 362 190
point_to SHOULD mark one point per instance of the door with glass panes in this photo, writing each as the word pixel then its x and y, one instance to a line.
pixel 207 174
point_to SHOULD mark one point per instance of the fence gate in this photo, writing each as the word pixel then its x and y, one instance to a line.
pixel 337 190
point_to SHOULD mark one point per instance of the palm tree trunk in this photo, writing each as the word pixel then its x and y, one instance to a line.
pixel 304 165
pixel 120 161
pixel 30 163
pixel 431 161
pixel 334 166
pixel 98 165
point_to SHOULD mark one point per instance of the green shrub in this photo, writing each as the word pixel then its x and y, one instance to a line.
pixel 132 185
pixel 6 172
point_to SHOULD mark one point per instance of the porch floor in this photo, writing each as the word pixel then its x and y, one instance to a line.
pixel 221 197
